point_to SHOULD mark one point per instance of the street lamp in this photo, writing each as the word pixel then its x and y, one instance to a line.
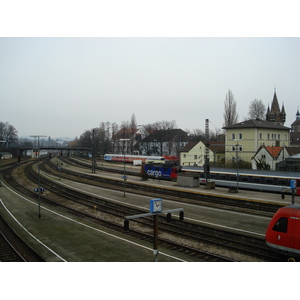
pixel 124 176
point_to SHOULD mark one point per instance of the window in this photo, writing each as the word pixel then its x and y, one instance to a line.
pixel 233 136
pixel 195 156
pixel 184 155
pixel 240 136
pixel 237 148
pixel 281 225
pixel 260 136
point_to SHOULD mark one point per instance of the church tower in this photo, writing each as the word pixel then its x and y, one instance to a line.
pixel 275 115
pixel 295 127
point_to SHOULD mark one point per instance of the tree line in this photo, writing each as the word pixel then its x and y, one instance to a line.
pixel 257 110
pixel 106 137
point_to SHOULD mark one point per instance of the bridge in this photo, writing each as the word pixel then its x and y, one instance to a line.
pixel 23 150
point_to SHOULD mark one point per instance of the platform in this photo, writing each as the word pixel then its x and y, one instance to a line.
pixel 59 237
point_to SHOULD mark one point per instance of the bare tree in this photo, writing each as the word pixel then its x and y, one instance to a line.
pixel 230 114
pixel 8 134
pixel 133 130
pixel 114 141
pixel 257 110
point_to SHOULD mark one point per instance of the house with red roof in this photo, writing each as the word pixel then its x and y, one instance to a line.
pixel 269 157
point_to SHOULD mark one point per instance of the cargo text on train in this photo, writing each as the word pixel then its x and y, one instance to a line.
pixel 154 173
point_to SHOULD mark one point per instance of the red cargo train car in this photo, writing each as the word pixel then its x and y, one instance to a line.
pixel 283 232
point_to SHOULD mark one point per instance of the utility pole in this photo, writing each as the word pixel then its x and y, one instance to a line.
pixel 124 176
pixel 206 157
pixel 39 180
pixel 237 165
pixel 94 166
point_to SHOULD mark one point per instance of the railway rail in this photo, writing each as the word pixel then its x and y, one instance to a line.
pixel 100 211
pixel 254 207
pixel 13 249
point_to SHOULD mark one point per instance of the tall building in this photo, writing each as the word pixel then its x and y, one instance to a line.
pixel 275 115
pixel 295 131
pixel 295 127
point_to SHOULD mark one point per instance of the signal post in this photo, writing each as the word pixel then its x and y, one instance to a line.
pixel 155 211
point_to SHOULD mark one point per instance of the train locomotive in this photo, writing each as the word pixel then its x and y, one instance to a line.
pixel 166 171
pixel 283 232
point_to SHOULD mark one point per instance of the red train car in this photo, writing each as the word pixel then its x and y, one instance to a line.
pixel 171 158
pixel 283 232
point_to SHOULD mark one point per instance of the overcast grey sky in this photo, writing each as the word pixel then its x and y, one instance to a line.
pixel 64 86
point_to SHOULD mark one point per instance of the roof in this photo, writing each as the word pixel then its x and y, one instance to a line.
pixel 125 133
pixel 256 124
pixel 177 135
pixel 293 150
pixel 274 151
pixel 218 147
pixel 296 122
pixel 189 146
pixel 213 146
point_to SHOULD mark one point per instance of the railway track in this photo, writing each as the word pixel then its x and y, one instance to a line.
pixel 13 249
pixel 259 208
pixel 179 236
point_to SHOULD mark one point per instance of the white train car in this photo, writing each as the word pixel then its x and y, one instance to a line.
pixel 133 158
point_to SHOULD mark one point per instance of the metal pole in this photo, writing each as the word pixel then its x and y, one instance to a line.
pixel 124 170
pixel 93 154
pixel 39 180
pixel 237 167
pixel 155 236
pixel 124 176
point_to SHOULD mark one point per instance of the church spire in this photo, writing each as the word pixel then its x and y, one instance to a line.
pixel 274 114
pixel 282 113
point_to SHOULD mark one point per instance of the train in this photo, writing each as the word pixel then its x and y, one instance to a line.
pixel 283 232
pixel 166 171
pixel 261 180
pixel 258 180
pixel 140 159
